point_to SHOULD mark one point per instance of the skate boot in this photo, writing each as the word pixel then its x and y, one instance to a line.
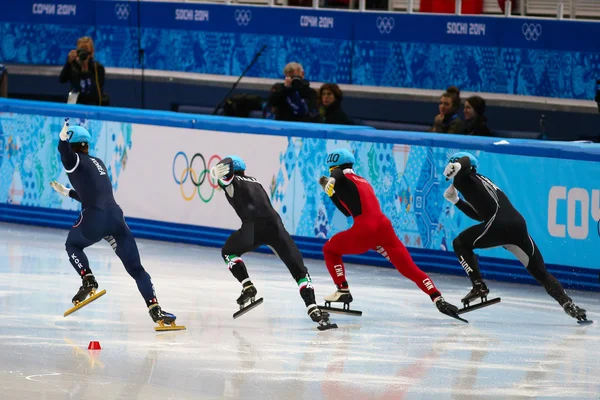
pixel 321 318
pixel 165 320
pixel 479 291
pixel 340 296
pixel 249 293
pixel 448 309
pixel 578 313
pixel 88 288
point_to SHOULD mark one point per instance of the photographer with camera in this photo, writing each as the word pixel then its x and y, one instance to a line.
pixel 85 75
pixel 294 100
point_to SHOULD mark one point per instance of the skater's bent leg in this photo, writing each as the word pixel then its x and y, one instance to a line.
pixel 127 250
pixel 240 242
pixel 463 245
pixel 530 256
pixel 285 248
pixel 74 245
pixel 346 242
pixel 77 241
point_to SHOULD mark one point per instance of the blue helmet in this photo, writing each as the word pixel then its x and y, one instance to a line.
pixel 79 134
pixel 456 156
pixel 340 157
pixel 238 163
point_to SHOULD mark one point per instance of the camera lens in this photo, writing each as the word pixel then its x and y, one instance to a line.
pixel 82 54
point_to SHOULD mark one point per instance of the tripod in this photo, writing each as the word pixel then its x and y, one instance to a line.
pixel 220 104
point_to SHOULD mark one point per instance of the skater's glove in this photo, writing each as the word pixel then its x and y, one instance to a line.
pixel 451 194
pixel 64 135
pixel 451 170
pixel 329 187
pixel 219 171
pixel 60 188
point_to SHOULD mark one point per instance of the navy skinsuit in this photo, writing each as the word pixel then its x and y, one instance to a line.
pixel 101 217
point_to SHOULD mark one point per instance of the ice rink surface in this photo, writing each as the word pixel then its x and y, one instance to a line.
pixel 401 348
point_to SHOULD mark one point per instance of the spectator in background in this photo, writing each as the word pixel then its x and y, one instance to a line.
pixel 330 105
pixel 447 120
pixel 294 100
pixel 85 74
pixel 475 120
pixel 3 81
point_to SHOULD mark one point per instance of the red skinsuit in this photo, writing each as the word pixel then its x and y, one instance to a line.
pixel 371 230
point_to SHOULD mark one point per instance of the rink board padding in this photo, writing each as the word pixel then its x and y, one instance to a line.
pixel 443 262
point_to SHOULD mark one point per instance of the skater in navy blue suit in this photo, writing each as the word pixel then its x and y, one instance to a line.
pixel 101 218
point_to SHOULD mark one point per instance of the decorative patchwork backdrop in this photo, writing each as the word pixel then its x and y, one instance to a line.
pixel 29 159
pixel 485 54
pixel 410 187
pixel 559 198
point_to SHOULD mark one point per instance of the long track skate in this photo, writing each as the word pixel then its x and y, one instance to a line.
pixel 321 318
pixel 247 300
pixel 165 320
pixel 164 326
pixel 467 307
pixel 345 310
pixel 244 309
pixel 80 304
pixel 341 296
pixel 578 313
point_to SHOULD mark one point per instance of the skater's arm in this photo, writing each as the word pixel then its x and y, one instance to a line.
pixel 69 158
pixel 340 206
pixel 334 198
pixel 468 210
pixel 73 194
pixel 223 172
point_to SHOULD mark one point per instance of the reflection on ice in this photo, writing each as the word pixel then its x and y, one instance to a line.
pixel 524 347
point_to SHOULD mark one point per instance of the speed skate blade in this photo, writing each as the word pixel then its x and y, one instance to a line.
pixel 171 327
pixel 327 327
pixel 343 311
pixel 249 307
pixel 458 318
pixel 85 302
pixel 586 322
pixel 479 305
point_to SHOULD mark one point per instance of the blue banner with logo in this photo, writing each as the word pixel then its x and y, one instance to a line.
pixel 538 57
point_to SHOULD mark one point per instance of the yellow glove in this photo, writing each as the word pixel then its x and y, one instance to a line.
pixel 329 187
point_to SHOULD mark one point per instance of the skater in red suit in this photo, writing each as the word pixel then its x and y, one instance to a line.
pixel 355 197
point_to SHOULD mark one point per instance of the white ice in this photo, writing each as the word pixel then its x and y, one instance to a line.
pixel 401 348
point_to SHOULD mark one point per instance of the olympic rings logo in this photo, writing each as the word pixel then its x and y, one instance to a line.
pixel 531 31
pixel 385 24
pixel 122 11
pixel 243 17
pixel 197 178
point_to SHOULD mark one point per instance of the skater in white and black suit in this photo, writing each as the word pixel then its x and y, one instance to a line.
pixel 261 225
pixel 501 225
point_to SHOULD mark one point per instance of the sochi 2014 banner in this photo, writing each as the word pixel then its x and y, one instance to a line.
pixel 161 173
